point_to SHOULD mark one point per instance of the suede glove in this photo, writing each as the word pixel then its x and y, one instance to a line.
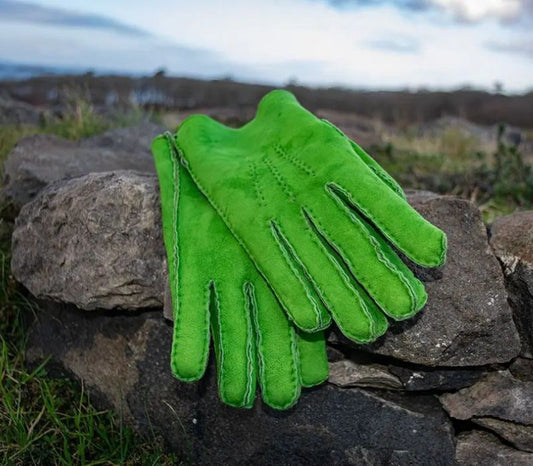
pixel 316 214
pixel 216 290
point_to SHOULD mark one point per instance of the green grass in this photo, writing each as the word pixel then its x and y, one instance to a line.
pixel 46 420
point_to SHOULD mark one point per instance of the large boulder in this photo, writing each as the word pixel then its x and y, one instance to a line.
pixel 467 320
pixel 94 241
pixel 40 159
pixel 123 361
pixel 512 242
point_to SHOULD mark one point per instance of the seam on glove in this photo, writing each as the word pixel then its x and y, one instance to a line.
pixel 231 229
pixel 309 217
pixel 296 365
pixel 259 195
pixel 205 353
pixel 280 179
pixel 175 284
pixel 249 394
pixel 381 257
pixel 298 268
pixel 382 174
pixel 251 351
pixel 360 207
pixel 283 154
pixel 261 369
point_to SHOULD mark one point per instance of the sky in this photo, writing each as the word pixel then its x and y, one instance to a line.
pixel 374 44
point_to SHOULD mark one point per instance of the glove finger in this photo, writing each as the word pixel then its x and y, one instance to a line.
pixel 377 169
pixel 233 338
pixel 355 313
pixel 277 352
pixel 313 358
pixel 190 343
pixel 370 260
pixel 371 163
pixel 403 226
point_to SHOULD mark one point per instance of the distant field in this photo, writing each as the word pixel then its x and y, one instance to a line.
pixel 161 92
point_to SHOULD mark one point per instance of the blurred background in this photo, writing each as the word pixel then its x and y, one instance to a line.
pixel 439 91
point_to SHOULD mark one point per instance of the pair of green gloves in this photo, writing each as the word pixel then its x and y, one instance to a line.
pixel 271 231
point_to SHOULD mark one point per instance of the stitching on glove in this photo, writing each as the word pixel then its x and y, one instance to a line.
pixel 206 193
pixel 249 394
pixel 282 153
pixel 177 293
pixel 213 298
pixel 296 365
pixel 298 269
pixel 360 207
pixel 381 257
pixel 309 217
pixel 251 351
pixel 382 174
pixel 259 337
pixel 175 351
pixel 257 185
pixel 280 179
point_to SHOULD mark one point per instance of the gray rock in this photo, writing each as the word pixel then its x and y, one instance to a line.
pixel 476 448
pixel 467 320
pixel 518 435
pixel 522 369
pixel 13 112
pixel 124 363
pixel 512 242
pixel 347 373
pixel 436 379
pixel 498 395
pixel 40 159
pixel 94 241
pixel 334 355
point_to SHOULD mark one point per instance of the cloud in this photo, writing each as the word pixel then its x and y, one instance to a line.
pixel 524 48
pixel 463 11
pixel 473 11
pixel 412 5
pixel 37 14
pixel 394 43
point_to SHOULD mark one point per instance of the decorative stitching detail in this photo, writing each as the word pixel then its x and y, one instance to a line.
pixel 381 257
pixel 279 179
pixel 252 257
pixel 291 257
pixel 310 218
pixel 292 159
pixel 386 232
pixel 175 285
pixel 251 351
pixel 382 174
pixel 220 340
pixel 257 185
pixel 254 308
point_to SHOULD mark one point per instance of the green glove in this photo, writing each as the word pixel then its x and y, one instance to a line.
pixel 214 284
pixel 316 214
